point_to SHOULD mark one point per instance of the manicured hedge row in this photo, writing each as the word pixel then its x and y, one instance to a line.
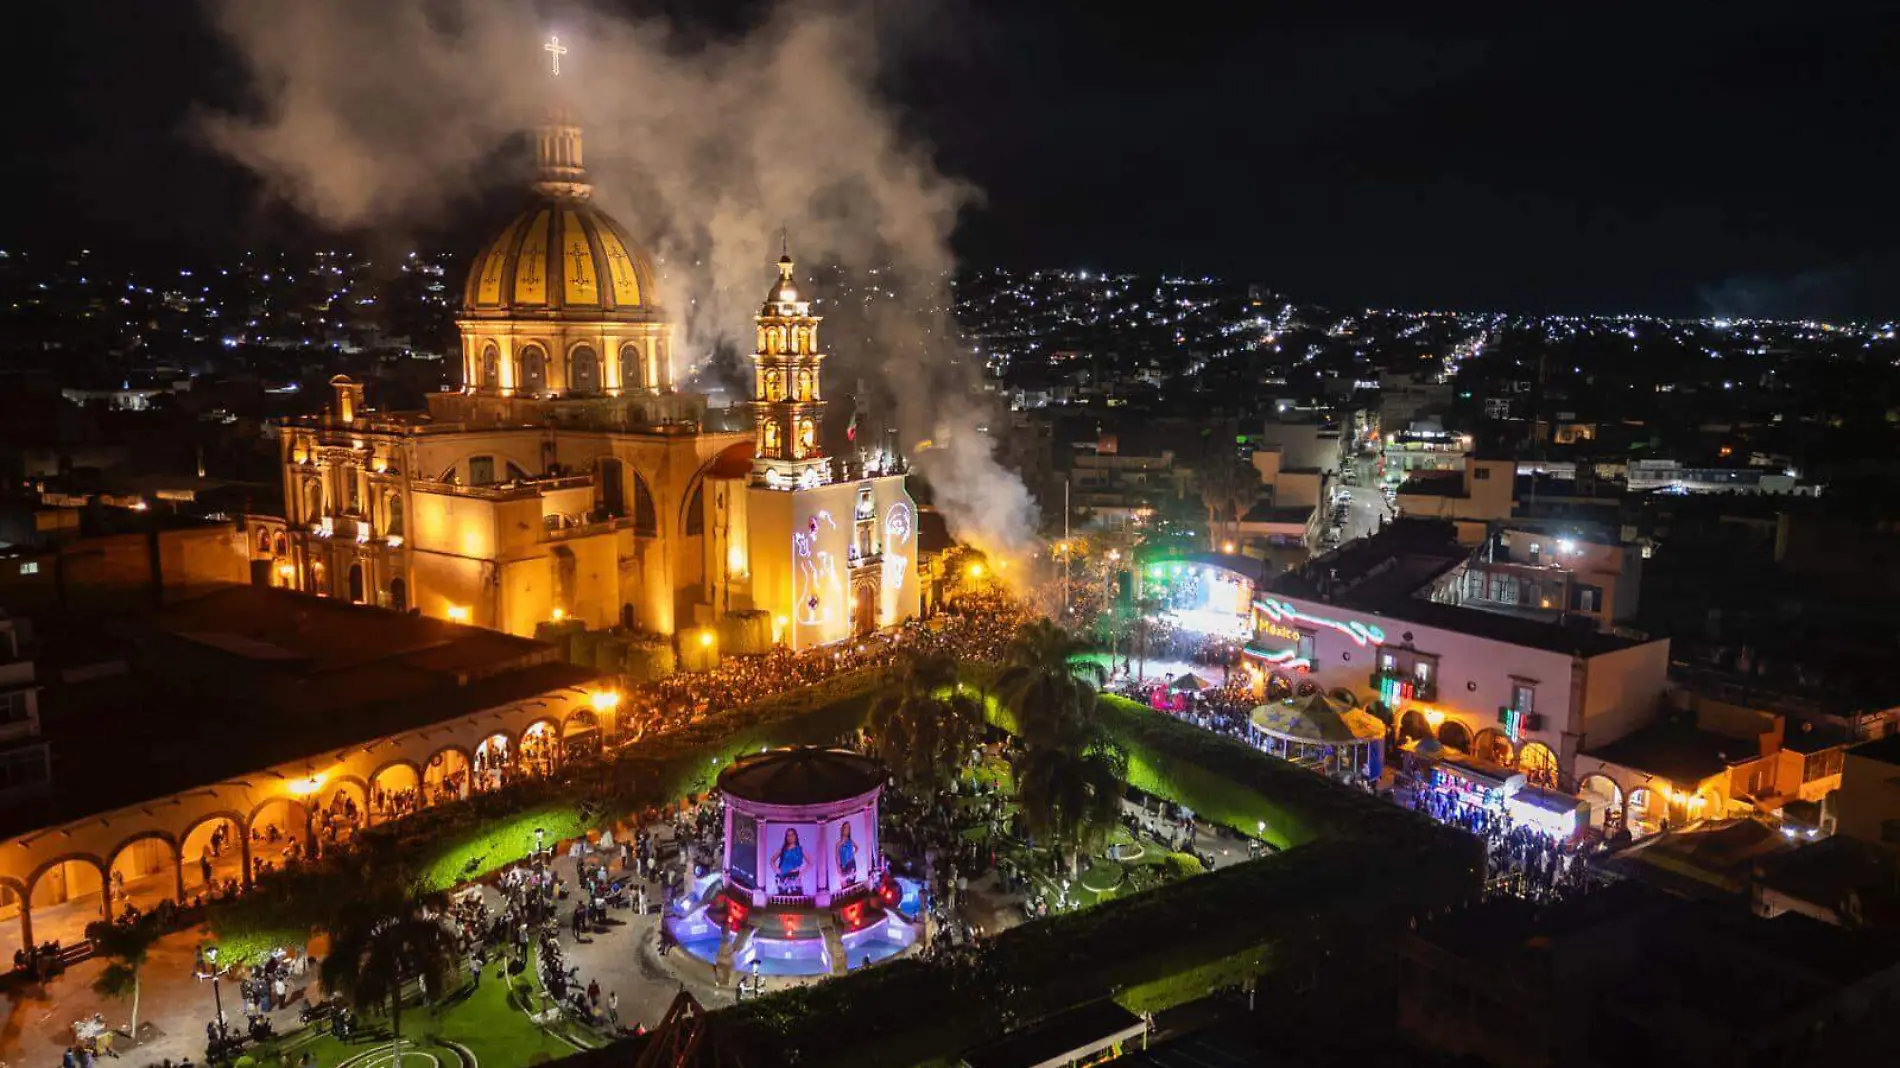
pixel 1354 866
pixel 1151 951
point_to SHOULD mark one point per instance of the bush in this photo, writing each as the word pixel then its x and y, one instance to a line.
pixel 1182 865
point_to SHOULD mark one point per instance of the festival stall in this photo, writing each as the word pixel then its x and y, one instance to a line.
pixel 1322 733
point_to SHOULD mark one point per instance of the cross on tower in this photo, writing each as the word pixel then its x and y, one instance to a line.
pixel 555 48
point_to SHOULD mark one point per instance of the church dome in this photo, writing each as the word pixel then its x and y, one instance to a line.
pixel 561 254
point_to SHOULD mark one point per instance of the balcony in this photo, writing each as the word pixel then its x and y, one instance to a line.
pixel 1410 687
pixel 1530 721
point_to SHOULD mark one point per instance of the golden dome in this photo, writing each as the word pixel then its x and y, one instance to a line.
pixel 561 255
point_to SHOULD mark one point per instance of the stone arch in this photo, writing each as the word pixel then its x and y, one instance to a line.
pixel 278 838
pixel 1605 796
pixel 1642 812
pixel 1413 726
pixel 581 733
pixel 78 878
pixel 631 376
pixel 312 500
pixel 531 374
pixel 1454 735
pixel 357 585
pixel 203 865
pixel 13 907
pixel 263 541
pixel 447 773
pixel 392 513
pixel 395 789
pixel 283 545
pixel 610 487
pixel 538 750
pixel 1279 686
pixel 142 875
pixel 488 375
pixel 494 760
pixel 583 369
pixel 1491 744
pixel 646 521
pixel 1538 762
pixel 332 819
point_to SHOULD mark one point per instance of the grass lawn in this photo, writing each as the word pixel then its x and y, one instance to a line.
pixel 485 1022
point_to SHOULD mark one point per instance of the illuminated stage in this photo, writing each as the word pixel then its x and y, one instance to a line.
pixel 1202 597
pixel 803 890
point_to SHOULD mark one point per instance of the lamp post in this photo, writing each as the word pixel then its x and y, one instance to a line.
pixel 217 998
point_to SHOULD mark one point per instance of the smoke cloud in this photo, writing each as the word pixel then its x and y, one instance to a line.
pixel 380 117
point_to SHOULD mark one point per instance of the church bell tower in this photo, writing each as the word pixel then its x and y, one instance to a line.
pixel 788 399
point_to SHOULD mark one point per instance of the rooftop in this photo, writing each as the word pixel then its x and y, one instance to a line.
pixel 1675 751
pixel 245 678
pixel 1885 750
pixel 805 775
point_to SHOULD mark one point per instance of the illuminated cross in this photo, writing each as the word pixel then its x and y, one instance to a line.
pixel 557 50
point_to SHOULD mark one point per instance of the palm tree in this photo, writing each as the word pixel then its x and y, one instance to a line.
pixel 924 729
pixel 1070 797
pixel 383 940
pixel 1043 686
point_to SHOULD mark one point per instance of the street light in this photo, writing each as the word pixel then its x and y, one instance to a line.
pixel 217 999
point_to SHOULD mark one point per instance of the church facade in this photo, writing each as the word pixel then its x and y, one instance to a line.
pixel 571 479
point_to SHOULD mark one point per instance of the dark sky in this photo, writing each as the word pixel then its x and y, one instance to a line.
pixel 1669 157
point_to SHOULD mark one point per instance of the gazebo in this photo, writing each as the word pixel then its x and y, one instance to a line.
pixel 1322 733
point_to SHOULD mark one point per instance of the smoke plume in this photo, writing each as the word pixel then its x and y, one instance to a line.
pixel 376 116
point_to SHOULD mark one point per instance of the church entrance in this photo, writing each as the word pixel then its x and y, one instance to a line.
pixel 864 609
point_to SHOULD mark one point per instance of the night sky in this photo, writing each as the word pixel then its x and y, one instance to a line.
pixel 1671 158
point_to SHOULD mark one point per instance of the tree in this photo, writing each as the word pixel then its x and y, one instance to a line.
pixel 1228 488
pixel 382 940
pixel 1043 686
pixel 1071 798
pixel 125 945
pixel 1068 775
pixel 924 729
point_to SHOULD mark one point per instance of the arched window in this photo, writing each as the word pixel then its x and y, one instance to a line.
pixel 283 545
pixel 490 371
pixel 769 443
pixel 630 376
pixel 1539 764
pixel 1454 735
pixel 533 380
pixel 392 524
pixel 356 583
pixel 645 522
pixel 804 386
pixel 610 492
pixel 312 501
pixel 801 340
pixel 696 510
pixel 583 371
pixel 263 541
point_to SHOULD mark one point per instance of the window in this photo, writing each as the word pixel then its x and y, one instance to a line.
pixel 1524 697
pixel 30 567
pixel 1481 474
pixel 1424 670
pixel 23 767
pixel 481 471
pixel 13 707
pixel 1306 647
pixel 1821 765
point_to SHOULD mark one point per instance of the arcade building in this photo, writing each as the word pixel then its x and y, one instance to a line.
pixel 571 479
